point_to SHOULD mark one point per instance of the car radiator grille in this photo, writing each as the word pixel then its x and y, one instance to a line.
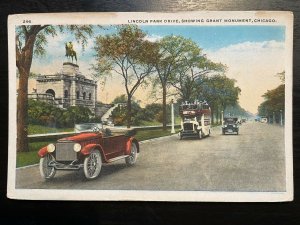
pixel 188 126
pixel 65 152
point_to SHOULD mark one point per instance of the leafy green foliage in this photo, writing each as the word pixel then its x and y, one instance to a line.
pixel 119 115
pixel 274 102
pixel 236 110
pixel 128 55
pixel 42 113
pixel 151 112
pixel 181 64
pixel 120 99
pixel 219 91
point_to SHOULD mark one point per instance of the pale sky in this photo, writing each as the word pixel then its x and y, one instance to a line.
pixel 253 54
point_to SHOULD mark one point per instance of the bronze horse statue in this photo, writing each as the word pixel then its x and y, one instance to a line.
pixel 70 52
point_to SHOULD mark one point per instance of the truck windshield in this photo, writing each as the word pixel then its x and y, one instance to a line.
pixel 189 107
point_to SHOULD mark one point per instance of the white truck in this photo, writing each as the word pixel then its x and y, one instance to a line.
pixel 195 119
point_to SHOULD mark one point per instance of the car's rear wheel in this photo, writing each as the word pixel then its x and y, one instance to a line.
pixel 47 171
pixel 131 159
pixel 92 165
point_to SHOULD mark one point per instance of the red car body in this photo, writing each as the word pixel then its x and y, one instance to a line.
pixel 87 150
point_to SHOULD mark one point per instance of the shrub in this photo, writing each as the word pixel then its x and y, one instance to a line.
pixel 42 113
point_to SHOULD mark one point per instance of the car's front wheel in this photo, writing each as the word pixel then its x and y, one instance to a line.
pixel 92 165
pixel 131 159
pixel 46 170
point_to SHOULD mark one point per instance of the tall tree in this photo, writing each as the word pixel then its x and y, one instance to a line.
pixel 219 91
pixel 194 68
pixel 172 51
pixel 274 102
pixel 31 40
pixel 128 55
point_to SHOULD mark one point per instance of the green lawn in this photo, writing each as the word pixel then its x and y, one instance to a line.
pixel 31 157
pixel 149 134
pixel 38 129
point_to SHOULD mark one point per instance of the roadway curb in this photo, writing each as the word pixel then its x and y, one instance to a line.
pixel 25 167
pixel 140 142
pixel 156 139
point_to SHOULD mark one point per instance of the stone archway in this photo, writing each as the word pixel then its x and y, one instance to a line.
pixel 51 91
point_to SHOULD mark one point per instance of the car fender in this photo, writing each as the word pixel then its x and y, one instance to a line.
pixel 42 152
pixel 86 150
pixel 129 143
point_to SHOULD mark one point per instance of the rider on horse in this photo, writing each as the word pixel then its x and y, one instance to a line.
pixel 70 52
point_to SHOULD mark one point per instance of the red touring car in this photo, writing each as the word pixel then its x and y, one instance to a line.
pixel 89 149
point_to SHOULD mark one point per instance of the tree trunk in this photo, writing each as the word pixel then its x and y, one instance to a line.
pixel 22 104
pixel 128 111
pixel 23 62
pixel 212 115
pixel 164 107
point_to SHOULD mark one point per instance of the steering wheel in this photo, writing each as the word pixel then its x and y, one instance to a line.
pixel 95 129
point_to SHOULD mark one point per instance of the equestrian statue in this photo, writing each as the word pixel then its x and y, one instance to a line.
pixel 70 52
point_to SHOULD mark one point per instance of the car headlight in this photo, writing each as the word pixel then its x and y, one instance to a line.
pixel 77 147
pixel 50 148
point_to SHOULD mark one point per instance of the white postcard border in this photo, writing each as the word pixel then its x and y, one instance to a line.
pixel 282 18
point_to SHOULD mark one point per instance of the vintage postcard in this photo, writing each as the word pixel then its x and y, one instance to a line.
pixel 189 106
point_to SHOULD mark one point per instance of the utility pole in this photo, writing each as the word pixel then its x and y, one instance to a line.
pixel 222 117
pixel 172 117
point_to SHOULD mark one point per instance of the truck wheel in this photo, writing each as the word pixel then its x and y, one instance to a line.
pixel 200 134
pixel 92 165
pixel 131 159
pixel 47 172
pixel 180 136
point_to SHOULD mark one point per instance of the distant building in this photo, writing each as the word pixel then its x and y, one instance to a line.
pixel 66 88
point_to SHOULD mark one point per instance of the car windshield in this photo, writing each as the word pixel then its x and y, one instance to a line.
pixel 230 120
pixel 86 127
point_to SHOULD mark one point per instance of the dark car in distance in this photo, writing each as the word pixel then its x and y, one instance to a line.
pixel 230 125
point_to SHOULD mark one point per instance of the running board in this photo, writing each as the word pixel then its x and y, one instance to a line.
pixel 117 158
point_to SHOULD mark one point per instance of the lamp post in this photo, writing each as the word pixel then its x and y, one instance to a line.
pixel 172 117
pixel 281 123
pixel 222 117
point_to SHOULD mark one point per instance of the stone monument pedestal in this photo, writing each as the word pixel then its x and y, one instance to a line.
pixel 70 69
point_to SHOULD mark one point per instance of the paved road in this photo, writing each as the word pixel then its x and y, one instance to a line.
pixel 251 161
